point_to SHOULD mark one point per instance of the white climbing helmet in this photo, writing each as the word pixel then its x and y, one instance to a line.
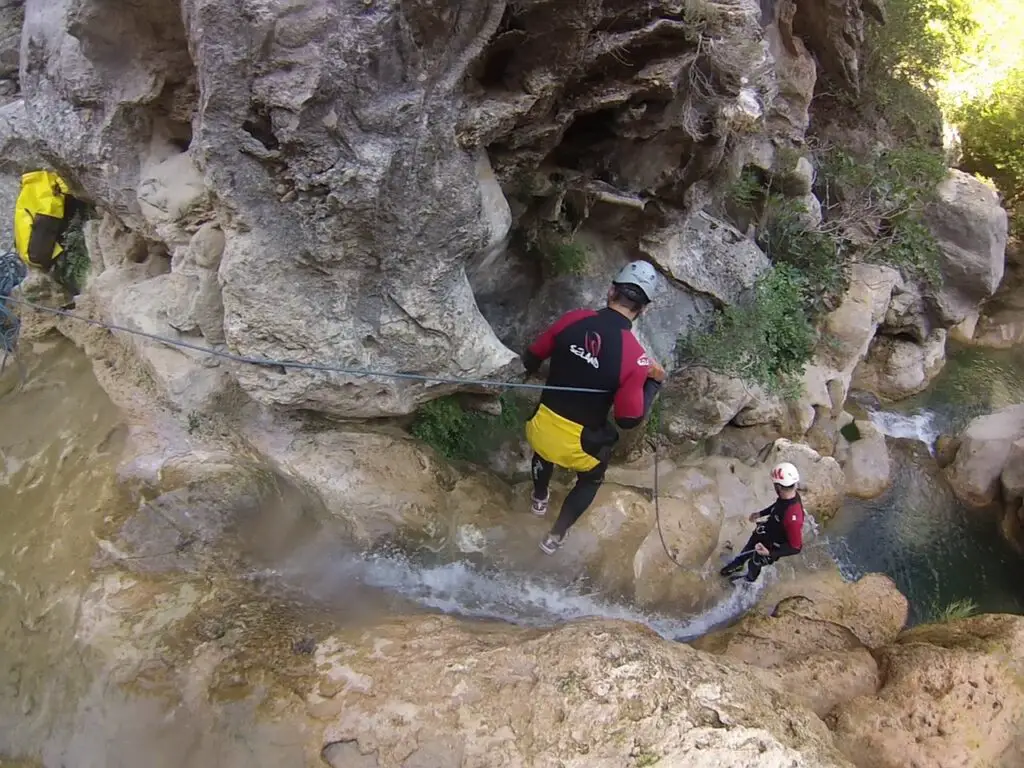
pixel 785 474
pixel 641 274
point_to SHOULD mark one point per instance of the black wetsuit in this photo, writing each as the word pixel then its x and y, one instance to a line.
pixel 780 529
pixel 594 350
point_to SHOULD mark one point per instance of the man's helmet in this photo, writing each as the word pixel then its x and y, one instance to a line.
pixel 640 274
pixel 785 474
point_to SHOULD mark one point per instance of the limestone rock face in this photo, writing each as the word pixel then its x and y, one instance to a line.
pixel 865 461
pixel 356 160
pixel 795 71
pixel 708 256
pixel 356 212
pixel 816 640
pixel 270 140
pixel 834 31
pixel 12 16
pixel 1001 323
pixel 896 368
pixel 621 689
pixel 699 402
pixel 985 447
pixel 971 228
pixel 961 682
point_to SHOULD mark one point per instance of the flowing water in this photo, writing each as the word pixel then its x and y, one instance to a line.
pixel 60 503
pixel 937 550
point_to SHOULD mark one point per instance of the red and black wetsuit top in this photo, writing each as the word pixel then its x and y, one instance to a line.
pixel 783 530
pixel 595 350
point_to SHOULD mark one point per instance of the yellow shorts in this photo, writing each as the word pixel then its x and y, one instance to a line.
pixel 557 439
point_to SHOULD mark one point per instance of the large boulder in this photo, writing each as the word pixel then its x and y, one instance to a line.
pixel 390 485
pixel 1001 323
pixel 816 639
pixel 971 228
pixel 851 326
pixel 847 334
pixel 698 403
pixel 984 448
pixel 872 607
pixel 708 256
pixel 897 368
pixel 1012 477
pixel 622 697
pixel 690 515
pixel 950 696
pixel 865 461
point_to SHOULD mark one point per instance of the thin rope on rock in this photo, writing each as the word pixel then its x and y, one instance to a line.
pixel 364 372
pixel 263 362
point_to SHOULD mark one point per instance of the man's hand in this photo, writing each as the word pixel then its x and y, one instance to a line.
pixel 656 372
pixel 761 549
pixel 752 517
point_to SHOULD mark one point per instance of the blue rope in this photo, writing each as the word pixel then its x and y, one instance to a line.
pixel 12 272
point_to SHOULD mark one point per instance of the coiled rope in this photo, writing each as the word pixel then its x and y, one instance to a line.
pixel 339 369
pixel 12 272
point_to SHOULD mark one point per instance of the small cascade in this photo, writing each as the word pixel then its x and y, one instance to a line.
pixel 462 588
pixel 922 425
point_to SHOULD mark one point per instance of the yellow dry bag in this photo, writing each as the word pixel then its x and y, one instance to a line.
pixel 41 215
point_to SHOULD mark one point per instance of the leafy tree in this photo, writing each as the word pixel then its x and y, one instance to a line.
pixel 992 138
pixel 905 59
pixel 920 41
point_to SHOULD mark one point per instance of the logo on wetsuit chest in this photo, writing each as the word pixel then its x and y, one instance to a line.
pixel 590 350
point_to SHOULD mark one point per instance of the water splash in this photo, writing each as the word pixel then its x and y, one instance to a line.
pixel 462 588
pixel 921 425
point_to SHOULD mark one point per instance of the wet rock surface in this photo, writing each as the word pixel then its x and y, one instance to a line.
pixel 958 679
pixel 392 185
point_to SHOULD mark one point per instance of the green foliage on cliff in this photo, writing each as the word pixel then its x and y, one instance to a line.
pixel 73 267
pixel 766 340
pixel 787 237
pixel 884 195
pixel 992 138
pixel 872 210
pixel 904 60
pixel 461 434
pixel 920 41
pixel 565 257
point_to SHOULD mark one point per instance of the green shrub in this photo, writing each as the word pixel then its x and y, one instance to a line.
pixel 748 189
pixel 564 257
pixel 766 340
pixel 785 236
pixel 888 190
pixel 910 247
pixel 958 609
pixel 461 434
pixel 72 268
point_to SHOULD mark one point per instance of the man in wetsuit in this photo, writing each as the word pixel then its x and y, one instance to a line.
pixel 594 350
pixel 779 531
